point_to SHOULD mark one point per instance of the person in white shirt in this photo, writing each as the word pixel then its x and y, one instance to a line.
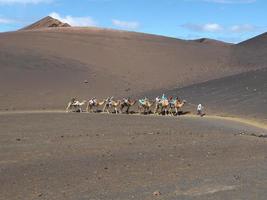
pixel 200 110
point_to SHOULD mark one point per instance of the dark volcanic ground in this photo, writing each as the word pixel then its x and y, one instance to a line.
pixel 242 95
pixel 97 156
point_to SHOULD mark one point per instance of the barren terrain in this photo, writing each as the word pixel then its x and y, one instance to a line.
pixel 98 156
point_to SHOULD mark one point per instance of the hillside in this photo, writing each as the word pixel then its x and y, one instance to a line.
pixel 251 53
pixel 43 68
pixel 243 95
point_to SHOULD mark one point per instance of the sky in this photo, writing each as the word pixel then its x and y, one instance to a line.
pixel 227 20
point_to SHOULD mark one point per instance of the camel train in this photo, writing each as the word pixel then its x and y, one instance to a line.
pixel 163 105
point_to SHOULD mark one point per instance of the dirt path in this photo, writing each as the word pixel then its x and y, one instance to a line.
pixel 213 117
pixel 99 156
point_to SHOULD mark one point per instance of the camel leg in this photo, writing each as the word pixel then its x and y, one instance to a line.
pixel 156 109
pixel 128 108
pixel 104 108
pixel 68 107
pixel 96 111
pixel 170 111
pixel 87 107
pixel 139 109
pixel 122 106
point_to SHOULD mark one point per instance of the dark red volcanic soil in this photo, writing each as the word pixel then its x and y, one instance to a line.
pixel 239 95
pixel 251 53
pixel 44 68
pixel 77 156
pixel 98 156
pixel 114 63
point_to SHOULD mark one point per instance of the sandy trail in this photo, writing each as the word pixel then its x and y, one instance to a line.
pixel 241 120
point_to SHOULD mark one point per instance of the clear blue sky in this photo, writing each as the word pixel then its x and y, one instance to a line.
pixel 228 20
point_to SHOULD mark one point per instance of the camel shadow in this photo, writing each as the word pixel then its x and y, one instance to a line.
pixel 180 113
pixel 183 113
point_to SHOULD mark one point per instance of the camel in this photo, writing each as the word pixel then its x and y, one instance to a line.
pixel 111 104
pixel 75 106
pixel 145 105
pixel 157 105
pixel 94 103
pixel 177 104
pixel 126 103
pixel 164 106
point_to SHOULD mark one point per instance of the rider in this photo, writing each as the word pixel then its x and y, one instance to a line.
pixel 142 101
pixel 158 99
pixel 125 100
pixel 110 99
pixel 92 101
pixel 171 101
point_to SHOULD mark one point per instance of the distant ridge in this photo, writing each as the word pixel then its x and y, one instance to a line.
pixel 259 40
pixel 211 41
pixel 47 22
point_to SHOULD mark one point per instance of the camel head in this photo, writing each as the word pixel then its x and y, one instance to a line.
pixel 83 102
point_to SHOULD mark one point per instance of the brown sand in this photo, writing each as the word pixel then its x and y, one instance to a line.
pixel 42 69
pixel 81 156
pixel 98 156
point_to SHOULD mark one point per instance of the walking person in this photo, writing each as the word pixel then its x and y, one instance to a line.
pixel 200 110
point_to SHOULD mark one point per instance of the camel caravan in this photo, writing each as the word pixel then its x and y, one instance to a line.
pixel 160 106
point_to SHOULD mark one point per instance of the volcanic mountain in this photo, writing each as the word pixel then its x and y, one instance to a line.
pixel 43 68
pixel 46 22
